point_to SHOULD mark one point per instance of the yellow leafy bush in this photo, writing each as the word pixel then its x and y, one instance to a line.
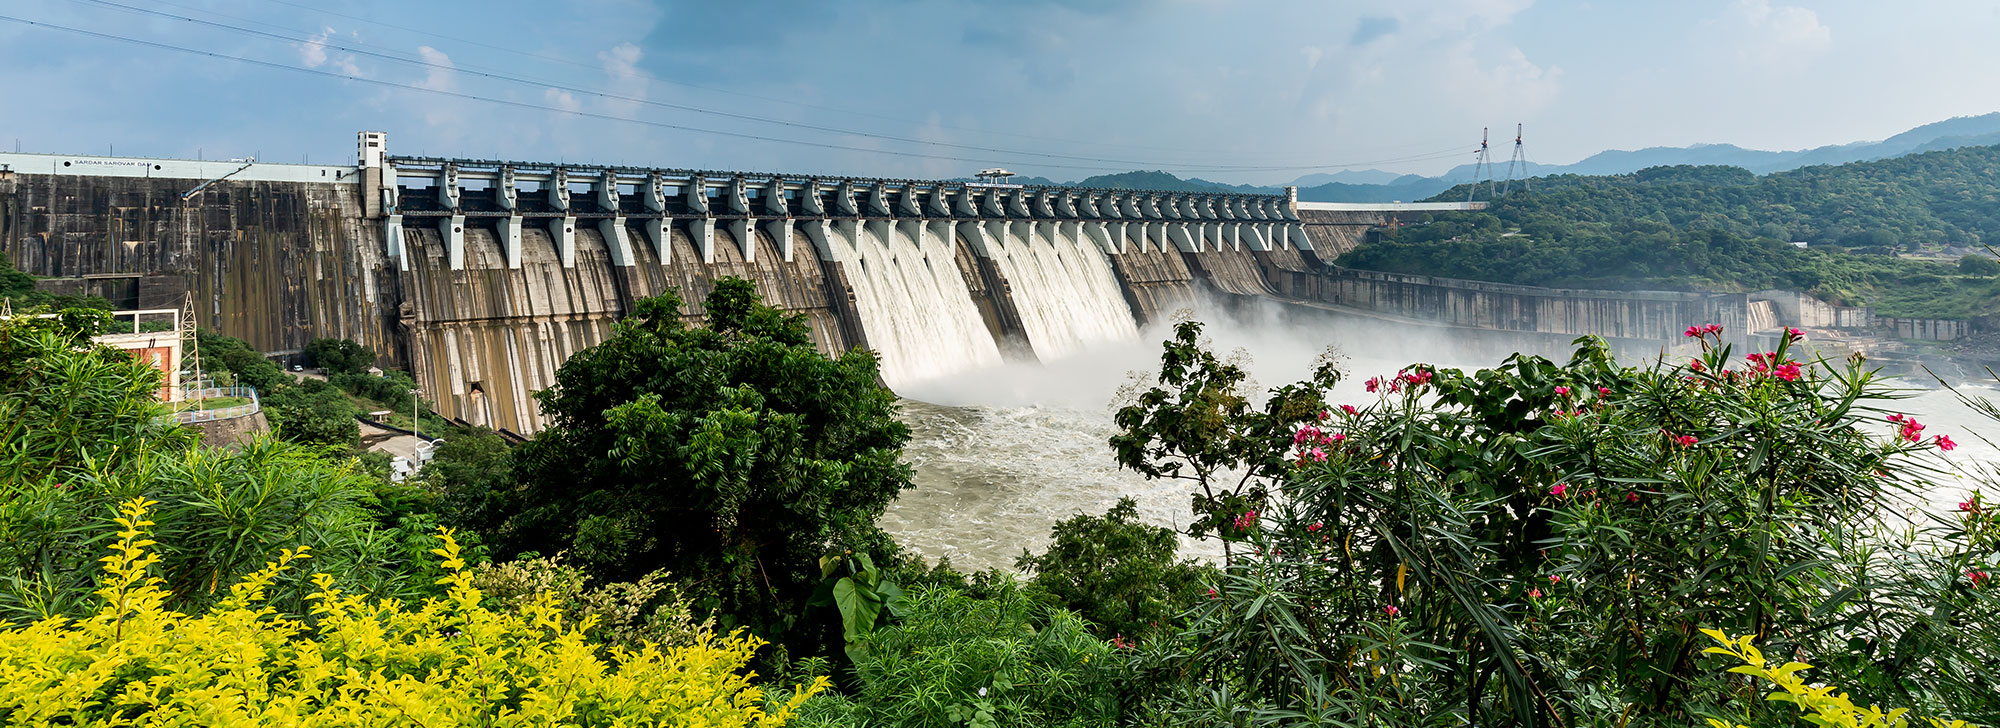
pixel 1821 705
pixel 448 662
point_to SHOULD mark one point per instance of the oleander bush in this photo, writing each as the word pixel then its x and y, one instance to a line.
pixel 355 661
pixel 1539 543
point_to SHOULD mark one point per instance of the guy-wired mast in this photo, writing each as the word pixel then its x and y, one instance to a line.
pixel 1481 164
pixel 1520 160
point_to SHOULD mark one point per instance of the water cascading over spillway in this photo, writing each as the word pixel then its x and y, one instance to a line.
pixel 914 305
pixel 1063 287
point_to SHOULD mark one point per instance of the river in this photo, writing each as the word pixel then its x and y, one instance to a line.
pixel 1001 454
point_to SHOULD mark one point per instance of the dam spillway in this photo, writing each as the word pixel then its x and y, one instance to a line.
pixel 481 277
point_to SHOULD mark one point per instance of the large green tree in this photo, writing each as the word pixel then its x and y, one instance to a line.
pixel 735 455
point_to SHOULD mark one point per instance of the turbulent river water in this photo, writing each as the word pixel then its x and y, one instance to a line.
pixel 1003 453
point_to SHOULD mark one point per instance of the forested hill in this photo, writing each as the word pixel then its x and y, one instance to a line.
pixel 1723 228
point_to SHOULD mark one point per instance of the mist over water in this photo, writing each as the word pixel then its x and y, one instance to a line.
pixel 1003 453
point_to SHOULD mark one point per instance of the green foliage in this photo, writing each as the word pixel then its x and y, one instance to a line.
pixel 80 431
pixel 1199 424
pixel 1720 228
pixel 865 599
pixel 473 475
pixel 66 405
pixel 1118 573
pixel 305 411
pixel 957 660
pixel 625 615
pixel 734 456
pixel 339 356
pixel 18 289
pixel 391 389
pixel 1979 265
pixel 1536 544
pixel 244 366
pixel 312 412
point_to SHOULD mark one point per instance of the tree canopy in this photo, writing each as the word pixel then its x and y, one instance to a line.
pixel 734 455
pixel 1722 228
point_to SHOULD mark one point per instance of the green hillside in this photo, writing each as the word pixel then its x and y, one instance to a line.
pixel 1881 233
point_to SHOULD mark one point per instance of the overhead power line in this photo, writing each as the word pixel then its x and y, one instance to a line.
pixel 701 87
pixel 1186 166
pixel 701 130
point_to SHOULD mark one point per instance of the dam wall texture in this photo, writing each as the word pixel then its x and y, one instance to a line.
pixel 482 277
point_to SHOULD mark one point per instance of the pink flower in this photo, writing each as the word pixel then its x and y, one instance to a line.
pixel 1350 410
pixel 1792 334
pixel 1603 391
pixel 1562 391
pixel 1788 372
pixel 1631 497
pixel 1913 430
pixel 1967 506
pixel 1697 366
pixel 1323 414
pixel 1337 437
pixel 1712 329
pixel 1559 490
pixel 1693 331
pixel 1316 525
pixel 1391 610
pixel 1211 593
pixel 1554 579
pixel 1944 443
pixel 1532 593
pixel 1318 455
pixel 1978 578
pixel 1372 384
pixel 1896 418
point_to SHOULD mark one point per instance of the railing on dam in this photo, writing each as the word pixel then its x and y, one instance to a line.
pixel 1391 206
pixel 630 206
pixel 191 405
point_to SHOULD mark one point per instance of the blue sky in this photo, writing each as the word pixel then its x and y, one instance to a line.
pixel 1235 91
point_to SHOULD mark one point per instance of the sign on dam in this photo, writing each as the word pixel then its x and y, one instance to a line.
pixel 482 276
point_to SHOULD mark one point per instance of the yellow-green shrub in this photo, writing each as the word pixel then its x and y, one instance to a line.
pixel 627 613
pixel 448 662
pixel 1821 705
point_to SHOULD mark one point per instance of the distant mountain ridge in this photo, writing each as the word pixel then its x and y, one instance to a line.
pixel 1374 185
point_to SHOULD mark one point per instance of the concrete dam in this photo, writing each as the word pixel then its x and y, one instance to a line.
pixel 482 276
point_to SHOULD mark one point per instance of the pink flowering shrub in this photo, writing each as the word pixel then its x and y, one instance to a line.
pixel 1489 547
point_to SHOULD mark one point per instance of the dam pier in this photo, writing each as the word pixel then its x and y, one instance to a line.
pixel 482 276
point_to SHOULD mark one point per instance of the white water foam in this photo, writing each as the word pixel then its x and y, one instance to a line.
pixel 1063 287
pixel 914 306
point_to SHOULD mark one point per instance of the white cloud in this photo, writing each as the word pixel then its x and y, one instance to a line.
pixel 621 62
pixel 441 74
pixel 1511 86
pixel 561 99
pixel 1782 38
pixel 313 51
pixel 1313 55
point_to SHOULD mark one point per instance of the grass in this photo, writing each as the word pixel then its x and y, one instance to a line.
pixel 210 403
